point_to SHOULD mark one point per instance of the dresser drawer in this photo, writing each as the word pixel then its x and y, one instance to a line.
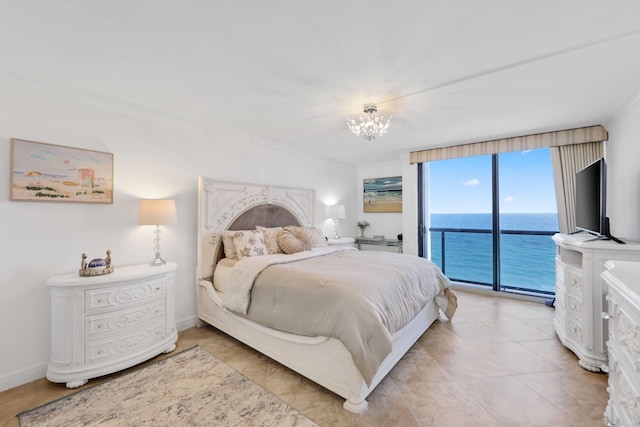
pixel 573 307
pixel 624 333
pixel 573 281
pixel 100 300
pixel 103 324
pixel 623 391
pixel 102 350
pixel 574 330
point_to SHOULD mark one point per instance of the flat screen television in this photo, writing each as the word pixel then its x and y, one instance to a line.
pixel 591 199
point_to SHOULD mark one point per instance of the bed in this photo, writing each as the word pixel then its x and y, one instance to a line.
pixel 342 362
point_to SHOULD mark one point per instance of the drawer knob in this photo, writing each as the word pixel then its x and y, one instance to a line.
pixel 606 316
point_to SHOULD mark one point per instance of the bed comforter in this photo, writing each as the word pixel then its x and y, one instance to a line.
pixel 358 297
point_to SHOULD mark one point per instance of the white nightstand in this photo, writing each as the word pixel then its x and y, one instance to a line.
pixel 103 324
pixel 343 241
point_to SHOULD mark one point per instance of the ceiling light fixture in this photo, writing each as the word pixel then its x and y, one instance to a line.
pixel 371 125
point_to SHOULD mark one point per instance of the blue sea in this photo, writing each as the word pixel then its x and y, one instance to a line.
pixel 527 262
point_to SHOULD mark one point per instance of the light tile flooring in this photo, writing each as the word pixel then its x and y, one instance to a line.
pixel 498 363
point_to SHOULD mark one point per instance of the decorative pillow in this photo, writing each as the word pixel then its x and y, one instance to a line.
pixel 294 239
pixel 229 246
pixel 271 238
pixel 317 238
pixel 249 243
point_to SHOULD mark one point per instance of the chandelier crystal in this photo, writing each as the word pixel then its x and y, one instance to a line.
pixel 371 125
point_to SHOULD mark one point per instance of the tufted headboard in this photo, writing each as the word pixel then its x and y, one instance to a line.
pixel 224 205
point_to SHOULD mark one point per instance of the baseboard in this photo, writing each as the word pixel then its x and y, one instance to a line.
pixel 22 377
pixel 187 323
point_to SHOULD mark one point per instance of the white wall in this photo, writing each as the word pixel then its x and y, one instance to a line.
pixel 152 160
pixel 623 170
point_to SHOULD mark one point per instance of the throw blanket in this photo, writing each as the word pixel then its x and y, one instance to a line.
pixel 358 297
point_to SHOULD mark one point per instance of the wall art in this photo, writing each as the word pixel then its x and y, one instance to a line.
pixel 383 194
pixel 55 173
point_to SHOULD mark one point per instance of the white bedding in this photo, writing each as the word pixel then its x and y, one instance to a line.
pixel 360 298
pixel 236 287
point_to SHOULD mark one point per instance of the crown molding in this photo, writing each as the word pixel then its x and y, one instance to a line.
pixel 623 106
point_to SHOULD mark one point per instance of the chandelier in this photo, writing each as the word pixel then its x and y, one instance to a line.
pixel 371 125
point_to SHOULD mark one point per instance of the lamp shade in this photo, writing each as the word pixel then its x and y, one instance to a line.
pixel 337 211
pixel 157 212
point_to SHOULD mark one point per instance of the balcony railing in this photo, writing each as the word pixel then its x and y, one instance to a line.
pixel 526 266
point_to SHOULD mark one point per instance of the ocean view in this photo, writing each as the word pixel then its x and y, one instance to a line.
pixel 527 261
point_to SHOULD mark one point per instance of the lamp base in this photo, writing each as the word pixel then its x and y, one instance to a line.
pixel 158 261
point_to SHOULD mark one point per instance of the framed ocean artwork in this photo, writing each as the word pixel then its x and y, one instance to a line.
pixel 382 194
pixel 55 173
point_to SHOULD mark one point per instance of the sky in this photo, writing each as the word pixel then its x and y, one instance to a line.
pixel 464 185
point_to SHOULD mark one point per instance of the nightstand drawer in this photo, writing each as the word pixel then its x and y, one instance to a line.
pixel 104 349
pixel 99 325
pixel 100 300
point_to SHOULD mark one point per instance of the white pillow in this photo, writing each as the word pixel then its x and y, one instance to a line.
pixel 249 243
pixel 271 238
pixel 317 238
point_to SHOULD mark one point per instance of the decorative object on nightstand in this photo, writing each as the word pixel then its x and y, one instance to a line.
pixel 96 266
pixel 105 323
pixel 336 212
pixel 157 212
pixel 362 225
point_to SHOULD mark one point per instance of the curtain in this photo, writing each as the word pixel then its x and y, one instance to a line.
pixel 519 143
pixel 566 161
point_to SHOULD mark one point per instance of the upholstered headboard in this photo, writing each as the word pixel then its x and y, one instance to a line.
pixel 224 205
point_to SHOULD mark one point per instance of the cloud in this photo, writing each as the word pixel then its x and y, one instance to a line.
pixel 509 199
pixel 472 181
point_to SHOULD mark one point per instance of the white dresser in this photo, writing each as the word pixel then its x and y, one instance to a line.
pixel 580 294
pixel 623 280
pixel 103 324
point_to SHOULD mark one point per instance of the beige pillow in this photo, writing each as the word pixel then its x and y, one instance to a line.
pixel 293 239
pixel 317 238
pixel 249 243
pixel 229 246
pixel 271 238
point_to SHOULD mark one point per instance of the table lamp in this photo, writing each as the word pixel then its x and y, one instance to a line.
pixel 157 212
pixel 336 212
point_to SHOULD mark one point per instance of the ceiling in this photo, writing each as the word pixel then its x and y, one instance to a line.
pixel 288 73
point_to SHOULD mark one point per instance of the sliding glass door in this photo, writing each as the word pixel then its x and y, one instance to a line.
pixel 488 220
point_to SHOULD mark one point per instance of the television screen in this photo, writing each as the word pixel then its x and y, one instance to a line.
pixel 591 198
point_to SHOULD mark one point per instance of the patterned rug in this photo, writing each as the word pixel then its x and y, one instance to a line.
pixel 191 388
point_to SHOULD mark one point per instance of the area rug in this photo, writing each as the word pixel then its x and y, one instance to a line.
pixel 191 388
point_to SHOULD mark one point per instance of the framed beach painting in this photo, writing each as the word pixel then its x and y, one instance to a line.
pixel 383 194
pixel 55 173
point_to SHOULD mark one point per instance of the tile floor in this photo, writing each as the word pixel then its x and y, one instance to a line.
pixel 498 363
